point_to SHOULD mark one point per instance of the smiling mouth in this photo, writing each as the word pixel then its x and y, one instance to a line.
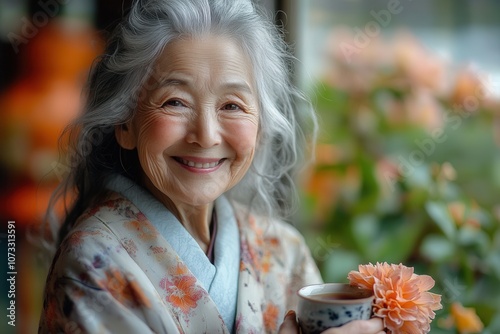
pixel 199 165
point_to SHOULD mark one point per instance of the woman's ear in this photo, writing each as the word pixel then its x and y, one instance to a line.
pixel 125 136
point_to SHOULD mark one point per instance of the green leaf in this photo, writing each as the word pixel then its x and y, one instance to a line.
pixel 339 264
pixel 369 182
pixel 437 248
pixel 364 231
pixel 389 239
pixel 397 239
pixel 473 237
pixel 494 326
pixel 440 215
pixel 493 261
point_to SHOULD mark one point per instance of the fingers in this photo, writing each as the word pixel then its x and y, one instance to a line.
pixel 372 326
pixel 289 325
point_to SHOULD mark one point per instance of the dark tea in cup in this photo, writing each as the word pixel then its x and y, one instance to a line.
pixel 322 306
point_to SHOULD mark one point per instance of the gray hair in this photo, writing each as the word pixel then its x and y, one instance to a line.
pixel 286 117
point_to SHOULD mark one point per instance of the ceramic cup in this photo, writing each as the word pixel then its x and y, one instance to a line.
pixel 322 306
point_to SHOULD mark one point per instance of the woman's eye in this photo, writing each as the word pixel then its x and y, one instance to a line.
pixel 173 103
pixel 231 106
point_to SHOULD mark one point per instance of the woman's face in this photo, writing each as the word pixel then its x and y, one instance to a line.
pixel 196 124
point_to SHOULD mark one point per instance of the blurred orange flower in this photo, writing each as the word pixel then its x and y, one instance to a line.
pixel 466 319
pixel 458 212
pixel 418 65
pixel 124 289
pixel 271 314
pixel 402 299
pixel 468 90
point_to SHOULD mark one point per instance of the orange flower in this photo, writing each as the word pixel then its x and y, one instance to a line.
pixel 402 299
pixel 271 316
pixel 461 216
pixel 182 292
pixel 457 212
pixel 124 289
pixel 468 86
pixel 466 319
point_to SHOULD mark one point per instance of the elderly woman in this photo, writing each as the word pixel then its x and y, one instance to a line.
pixel 182 162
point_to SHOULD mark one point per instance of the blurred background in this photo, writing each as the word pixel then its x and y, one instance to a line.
pixel 407 162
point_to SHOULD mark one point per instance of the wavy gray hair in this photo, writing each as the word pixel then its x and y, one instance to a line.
pixel 114 86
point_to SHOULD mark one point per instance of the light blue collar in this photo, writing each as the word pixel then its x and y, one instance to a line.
pixel 219 279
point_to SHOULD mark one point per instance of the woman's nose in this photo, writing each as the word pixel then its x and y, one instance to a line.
pixel 205 129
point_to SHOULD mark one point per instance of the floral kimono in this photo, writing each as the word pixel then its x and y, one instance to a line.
pixel 129 266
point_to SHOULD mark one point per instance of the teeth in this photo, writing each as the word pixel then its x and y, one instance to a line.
pixel 199 165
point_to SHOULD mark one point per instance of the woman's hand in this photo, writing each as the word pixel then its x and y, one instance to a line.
pixel 372 326
pixel 289 325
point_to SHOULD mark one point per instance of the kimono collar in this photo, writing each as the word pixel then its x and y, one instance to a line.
pixel 220 279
